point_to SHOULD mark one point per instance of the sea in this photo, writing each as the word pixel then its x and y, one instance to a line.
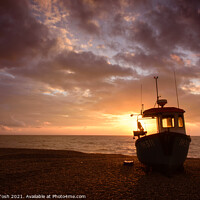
pixel 84 143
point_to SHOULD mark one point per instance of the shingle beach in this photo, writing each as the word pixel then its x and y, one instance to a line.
pixel 58 174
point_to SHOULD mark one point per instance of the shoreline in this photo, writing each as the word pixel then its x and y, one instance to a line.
pixel 128 155
pixel 95 175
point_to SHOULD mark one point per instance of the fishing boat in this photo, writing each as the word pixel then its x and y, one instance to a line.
pixel 167 148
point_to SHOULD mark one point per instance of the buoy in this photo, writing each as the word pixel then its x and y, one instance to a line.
pixel 128 162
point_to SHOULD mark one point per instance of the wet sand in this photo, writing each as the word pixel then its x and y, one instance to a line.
pixel 97 176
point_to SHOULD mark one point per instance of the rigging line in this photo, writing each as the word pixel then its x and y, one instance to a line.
pixel 141 94
pixel 141 102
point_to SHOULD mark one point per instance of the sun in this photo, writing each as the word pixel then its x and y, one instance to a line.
pixel 149 125
pixel 126 123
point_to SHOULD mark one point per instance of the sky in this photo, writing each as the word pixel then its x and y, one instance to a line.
pixel 77 66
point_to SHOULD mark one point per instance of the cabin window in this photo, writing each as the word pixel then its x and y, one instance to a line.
pixel 168 122
pixel 180 121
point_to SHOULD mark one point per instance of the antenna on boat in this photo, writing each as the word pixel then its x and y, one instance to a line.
pixel 160 102
pixel 176 89
pixel 156 79
pixel 142 105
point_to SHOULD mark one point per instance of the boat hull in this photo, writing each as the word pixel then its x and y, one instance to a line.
pixel 166 151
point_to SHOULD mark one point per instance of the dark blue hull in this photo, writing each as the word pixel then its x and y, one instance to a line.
pixel 164 150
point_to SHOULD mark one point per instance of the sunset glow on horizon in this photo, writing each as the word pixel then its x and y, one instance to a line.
pixel 76 67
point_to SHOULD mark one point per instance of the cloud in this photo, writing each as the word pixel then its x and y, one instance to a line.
pixel 22 36
pixel 88 13
pixel 67 80
pixel 163 38
pixel 83 69
pixel 86 58
pixel 94 66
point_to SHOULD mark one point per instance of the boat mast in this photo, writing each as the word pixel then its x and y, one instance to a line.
pixel 176 89
pixel 156 78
